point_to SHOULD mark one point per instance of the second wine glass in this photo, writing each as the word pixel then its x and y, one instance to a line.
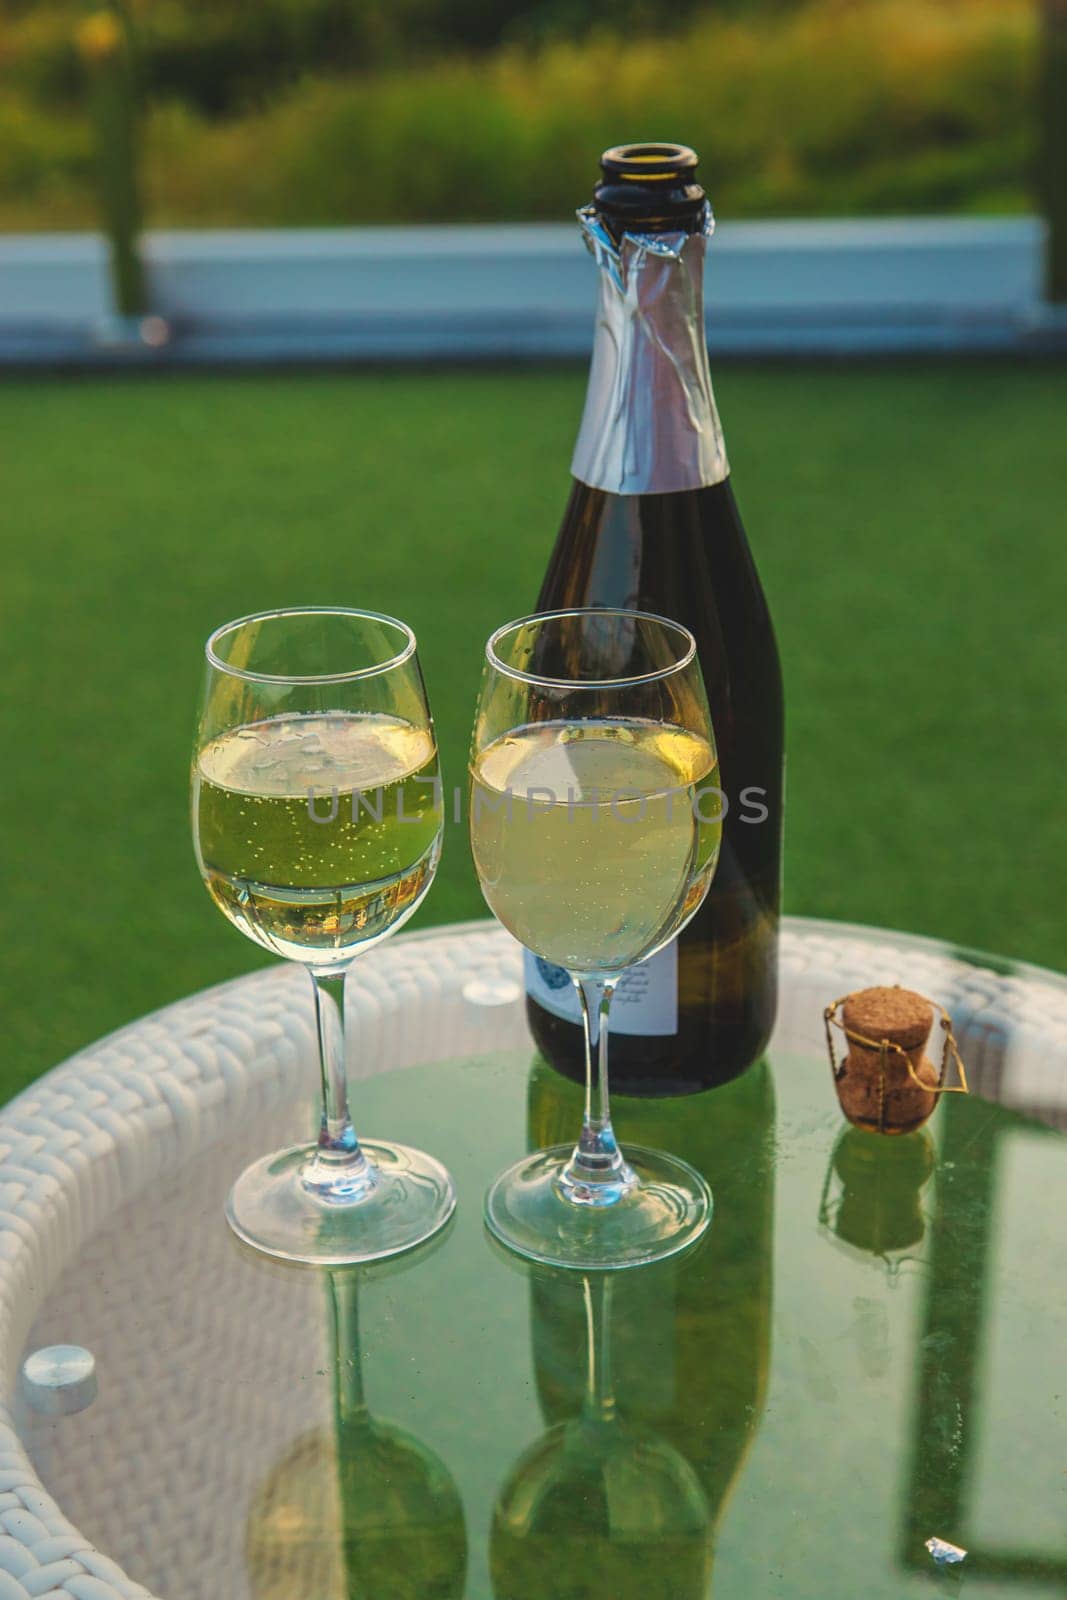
pixel 595 826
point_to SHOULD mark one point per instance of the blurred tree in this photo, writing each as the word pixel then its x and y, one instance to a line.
pixel 105 42
pixel 229 57
pixel 1052 178
pixel 254 109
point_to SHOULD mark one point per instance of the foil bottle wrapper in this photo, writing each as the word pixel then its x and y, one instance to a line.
pixel 650 425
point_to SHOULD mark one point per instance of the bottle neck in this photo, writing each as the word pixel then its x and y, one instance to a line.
pixel 650 425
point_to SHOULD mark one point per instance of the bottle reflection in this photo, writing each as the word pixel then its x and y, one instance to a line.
pixel 363 1511
pixel 653 1381
pixel 872 1199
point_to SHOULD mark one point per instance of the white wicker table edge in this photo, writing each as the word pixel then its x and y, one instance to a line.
pixel 85 1137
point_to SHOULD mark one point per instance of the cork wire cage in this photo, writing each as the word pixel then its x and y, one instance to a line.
pixel 886 1083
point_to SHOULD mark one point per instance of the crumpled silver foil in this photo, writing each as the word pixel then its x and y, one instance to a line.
pixel 610 256
pixel 945 1554
pixel 650 425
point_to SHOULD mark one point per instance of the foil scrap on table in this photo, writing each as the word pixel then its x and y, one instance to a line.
pixel 944 1553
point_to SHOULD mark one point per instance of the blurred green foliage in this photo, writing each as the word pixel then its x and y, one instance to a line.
pixel 324 111
pixel 223 55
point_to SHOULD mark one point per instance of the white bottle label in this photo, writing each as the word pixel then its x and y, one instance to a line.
pixel 645 1003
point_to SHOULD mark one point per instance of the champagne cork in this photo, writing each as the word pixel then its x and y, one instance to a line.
pixel 886 1082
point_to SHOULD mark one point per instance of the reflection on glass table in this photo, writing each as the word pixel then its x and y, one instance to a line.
pixel 872 1199
pixel 978 1444
pixel 359 1511
pixel 864 1353
pixel 606 1506
pixel 648 1435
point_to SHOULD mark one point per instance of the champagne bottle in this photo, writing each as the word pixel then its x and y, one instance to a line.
pixel 652 525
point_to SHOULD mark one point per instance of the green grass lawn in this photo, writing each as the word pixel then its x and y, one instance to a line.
pixel 908 523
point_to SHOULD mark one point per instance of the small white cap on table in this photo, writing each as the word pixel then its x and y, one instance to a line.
pixel 59 1379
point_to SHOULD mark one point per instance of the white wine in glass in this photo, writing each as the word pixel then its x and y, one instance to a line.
pixel 603 817
pixel 595 821
pixel 316 833
pixel 317 818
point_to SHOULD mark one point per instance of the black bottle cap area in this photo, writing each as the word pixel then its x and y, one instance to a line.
pixel 650 187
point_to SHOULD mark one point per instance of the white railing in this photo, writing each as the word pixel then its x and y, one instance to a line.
pixel 526 291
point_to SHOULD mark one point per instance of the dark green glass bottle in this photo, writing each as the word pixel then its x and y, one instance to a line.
pixel 652 524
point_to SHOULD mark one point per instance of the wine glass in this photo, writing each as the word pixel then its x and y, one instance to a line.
pixel 317 819
pixel 595 827
pixel 608 1507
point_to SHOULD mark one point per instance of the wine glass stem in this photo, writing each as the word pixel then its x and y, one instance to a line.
pixel 598 1136
pixel 596 1172
pixel 350 1413
pixel 599 1390
pixel 349 1399
pixel 339 1171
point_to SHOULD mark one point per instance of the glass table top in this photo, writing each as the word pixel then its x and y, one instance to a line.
pixel 867 1350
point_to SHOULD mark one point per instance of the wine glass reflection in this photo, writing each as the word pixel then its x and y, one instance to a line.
pixel 359 1511
pixel 652 1382
pixel 607 1506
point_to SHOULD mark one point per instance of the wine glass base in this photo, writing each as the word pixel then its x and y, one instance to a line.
pixel 668 1211
pixel 271 1210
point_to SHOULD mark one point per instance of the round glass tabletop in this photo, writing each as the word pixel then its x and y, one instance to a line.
pixel 865 1353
